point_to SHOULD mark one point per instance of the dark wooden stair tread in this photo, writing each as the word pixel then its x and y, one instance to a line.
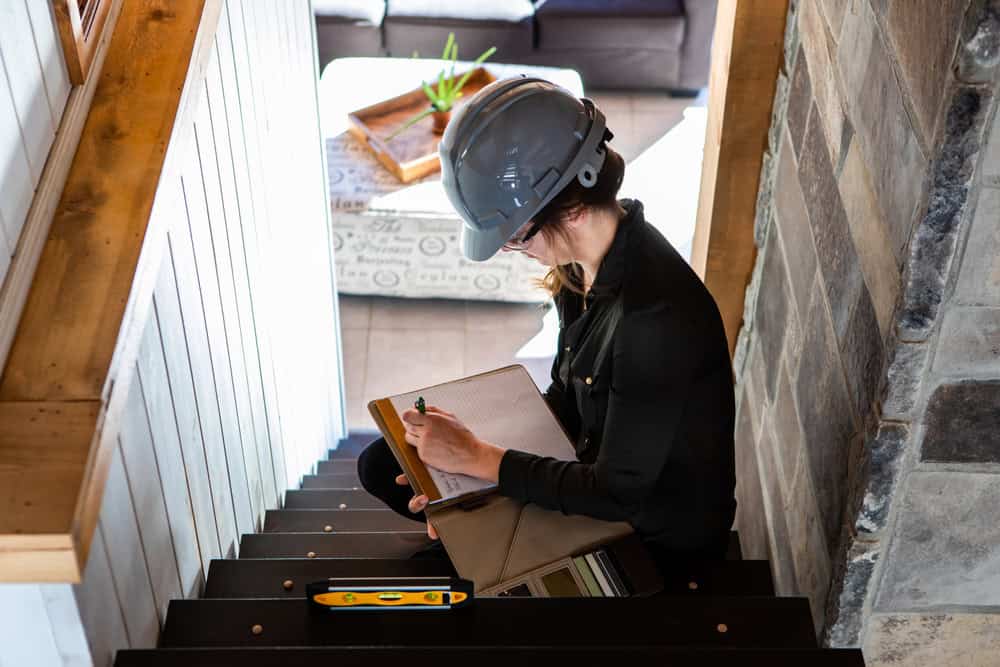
pixel 728 577
pixel 333 545
pixel 265 577
pixel 501 656
pixel 329 499
pixel 688 621
pixel 309 521
pixel 340 480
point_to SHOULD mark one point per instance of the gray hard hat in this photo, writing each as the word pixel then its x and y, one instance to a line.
pixel 510 149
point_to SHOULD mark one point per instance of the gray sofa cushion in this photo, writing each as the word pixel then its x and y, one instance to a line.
pixel 423 26
pixel 348 28
pixel 610 24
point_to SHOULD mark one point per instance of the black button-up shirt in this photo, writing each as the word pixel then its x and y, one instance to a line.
pixel 653 421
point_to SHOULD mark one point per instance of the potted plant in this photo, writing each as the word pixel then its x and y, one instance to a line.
pixel 443 97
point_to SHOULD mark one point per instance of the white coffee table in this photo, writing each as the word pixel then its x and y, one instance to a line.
pixel 396 239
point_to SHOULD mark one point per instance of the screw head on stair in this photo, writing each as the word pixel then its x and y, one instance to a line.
pixel 327 529
pixel 343 506
pixel 722 627
pixel 693 585
pixel 288 584
pixel 257 629
pixel 311 554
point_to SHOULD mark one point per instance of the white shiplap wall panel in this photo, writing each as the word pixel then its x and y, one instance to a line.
pixel 25 633
pixel 27 84
pixel 15 175
pixel 50 55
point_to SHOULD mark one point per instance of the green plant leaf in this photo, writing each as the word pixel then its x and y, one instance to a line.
pixel 410 122
pixel 442 88
pixel 429 92
pixel 486 54
pixel 447 46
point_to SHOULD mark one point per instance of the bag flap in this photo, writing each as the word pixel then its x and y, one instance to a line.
pixel 544 536
pixel 478 540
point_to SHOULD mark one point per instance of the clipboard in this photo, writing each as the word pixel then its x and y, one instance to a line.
pixel 492 538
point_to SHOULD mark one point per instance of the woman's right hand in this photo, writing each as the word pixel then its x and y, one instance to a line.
pixel 417 504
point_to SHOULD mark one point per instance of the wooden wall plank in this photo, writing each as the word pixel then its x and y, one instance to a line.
pixel 217 414
pixel 226 375
pixel 205 454
pixel 16 186
pixel 26 635
pixel 146 488
pixel 233 255
pixel 239 74
pixel 24 75
pixel 127 559
pixel 50 55
pixel 99 610
pixel 181 408
pixel 151 382
pixel 242 167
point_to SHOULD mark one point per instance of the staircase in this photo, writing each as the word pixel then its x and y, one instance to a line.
pixel 253 612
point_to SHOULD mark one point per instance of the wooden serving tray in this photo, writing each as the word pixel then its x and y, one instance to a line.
pixel 413 153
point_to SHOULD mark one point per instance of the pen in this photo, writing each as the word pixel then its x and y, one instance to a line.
pixel 420 405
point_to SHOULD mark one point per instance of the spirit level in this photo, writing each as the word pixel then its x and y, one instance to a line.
pixel 379 593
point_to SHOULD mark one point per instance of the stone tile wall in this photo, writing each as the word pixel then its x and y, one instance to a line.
pixel 868 432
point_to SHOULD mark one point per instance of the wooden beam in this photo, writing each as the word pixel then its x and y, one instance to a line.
pixel 747 53
pixel 78 335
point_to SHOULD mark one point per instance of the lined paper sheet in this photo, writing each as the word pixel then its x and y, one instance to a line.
pixel 503 407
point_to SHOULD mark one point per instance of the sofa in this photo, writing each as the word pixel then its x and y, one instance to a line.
pixel 614 44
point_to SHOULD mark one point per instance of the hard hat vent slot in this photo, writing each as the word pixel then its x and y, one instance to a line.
pixel 546 182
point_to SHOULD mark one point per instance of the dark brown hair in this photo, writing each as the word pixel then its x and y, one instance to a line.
pixel 568 204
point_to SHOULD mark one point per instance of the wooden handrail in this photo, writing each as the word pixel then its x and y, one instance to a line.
pixel 746 56
pixel 66 378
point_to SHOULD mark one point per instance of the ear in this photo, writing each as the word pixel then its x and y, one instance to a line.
pixel 577 220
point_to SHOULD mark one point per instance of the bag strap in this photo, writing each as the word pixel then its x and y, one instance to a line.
pixel 614 317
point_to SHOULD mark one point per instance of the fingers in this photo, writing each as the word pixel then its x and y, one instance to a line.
pixel 431 533
pixel 417 503
pixel 402 480
pixel 434 408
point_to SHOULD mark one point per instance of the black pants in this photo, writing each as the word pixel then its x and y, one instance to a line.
pixel 377 470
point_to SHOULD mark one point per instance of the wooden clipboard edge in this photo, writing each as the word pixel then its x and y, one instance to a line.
pixel 392 428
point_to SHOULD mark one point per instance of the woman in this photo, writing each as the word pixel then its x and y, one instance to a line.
pixel 642 379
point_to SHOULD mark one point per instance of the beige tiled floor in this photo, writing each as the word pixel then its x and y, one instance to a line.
pixel 392 345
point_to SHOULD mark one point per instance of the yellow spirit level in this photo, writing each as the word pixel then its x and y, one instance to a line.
pixel 380 593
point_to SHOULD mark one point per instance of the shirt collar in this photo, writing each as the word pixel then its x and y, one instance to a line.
pixel 612 270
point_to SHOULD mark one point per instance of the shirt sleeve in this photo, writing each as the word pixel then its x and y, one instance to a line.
pixel 656 355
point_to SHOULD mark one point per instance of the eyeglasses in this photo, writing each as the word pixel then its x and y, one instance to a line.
pixel 519 242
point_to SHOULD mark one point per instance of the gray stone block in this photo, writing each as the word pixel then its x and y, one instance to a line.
pixel 799 102
pixel 969 342
pixel 871 238
pixel 833 10
pixel 924 39
pixel 751 521
pixel 904 379
pixel 883 457
pixel 848 613
pixel 863 354
pixel 932 640
pixel 979 276
pixel 963 424
pixel 991 160
pixel 827 414
pixel 820 49
pixel 946 547
pixel 838 259
pixel 932 249
pixel 788 429
pixel 979 53
pixel 771 319
pixel 793 227
pixel 782 562
pixel 762 210
pixel 888 141
pixel 809 548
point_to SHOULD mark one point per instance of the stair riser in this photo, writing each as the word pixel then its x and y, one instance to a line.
pixel 317 521
pixel 331 500
pixel 750 623
pixel 342 545
pixel 337 467
pixel 347 480
pixel 491 657
pixel 250 578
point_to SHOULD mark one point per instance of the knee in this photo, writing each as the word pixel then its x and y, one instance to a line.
pixel 375 464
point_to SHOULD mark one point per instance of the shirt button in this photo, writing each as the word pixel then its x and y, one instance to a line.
pixel 589 380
